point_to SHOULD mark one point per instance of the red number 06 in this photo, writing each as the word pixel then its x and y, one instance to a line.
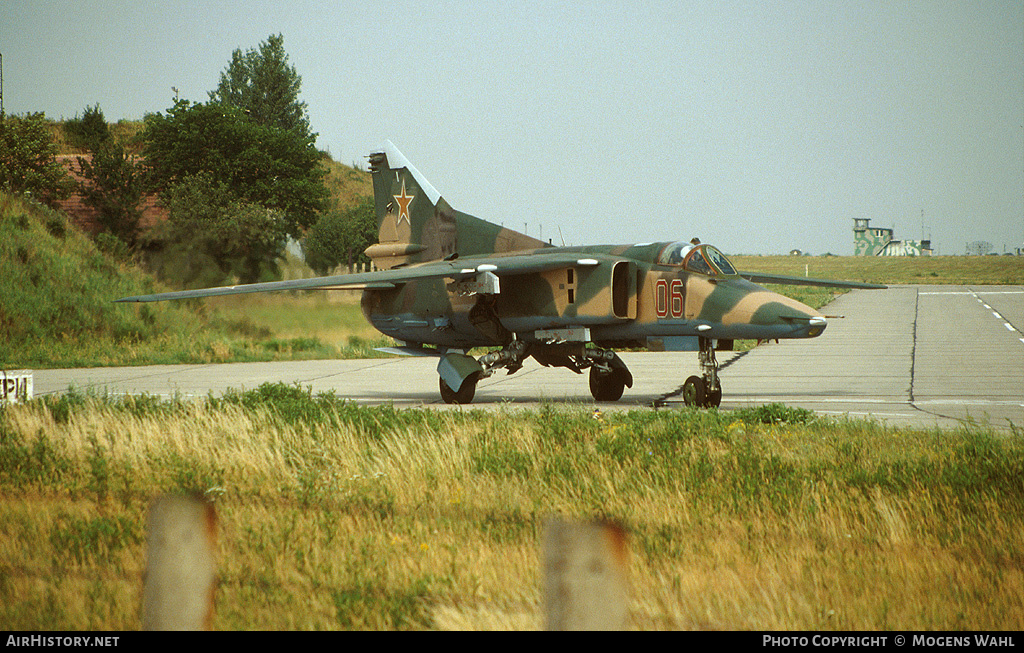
pixel 668 298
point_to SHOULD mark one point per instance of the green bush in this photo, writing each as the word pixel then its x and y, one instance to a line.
pixel 28 164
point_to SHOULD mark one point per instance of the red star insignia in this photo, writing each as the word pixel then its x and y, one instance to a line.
pixel 403 204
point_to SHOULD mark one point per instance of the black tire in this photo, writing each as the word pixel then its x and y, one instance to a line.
pixel 464 395
pixel 713 398
pixel 694 393
pixel 607 386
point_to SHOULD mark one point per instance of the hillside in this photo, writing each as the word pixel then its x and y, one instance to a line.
pixel 346 184
pixel 56 308
pixel 125 132
pixel 56 292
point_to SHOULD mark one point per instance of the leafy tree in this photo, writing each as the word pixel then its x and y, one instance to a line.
pixel 262 84
pixel 259 164
pixel 114 181
pixel 211 235
pixel 340 237
pixel 114 184
pixel 241 172
pixel 90 130
pixel 28 163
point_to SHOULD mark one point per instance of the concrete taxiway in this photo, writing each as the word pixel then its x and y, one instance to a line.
pixel 910 355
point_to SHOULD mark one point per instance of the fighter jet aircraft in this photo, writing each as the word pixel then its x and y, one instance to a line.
pixel 448 282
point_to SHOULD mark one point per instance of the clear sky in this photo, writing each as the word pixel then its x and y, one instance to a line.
pixel 758 126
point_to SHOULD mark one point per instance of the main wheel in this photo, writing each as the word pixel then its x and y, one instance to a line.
pixel 607 386
pixel 463 395
pixel 713 398
pixel 693 392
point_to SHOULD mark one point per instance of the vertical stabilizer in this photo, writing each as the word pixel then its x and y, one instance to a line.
pixel 416 224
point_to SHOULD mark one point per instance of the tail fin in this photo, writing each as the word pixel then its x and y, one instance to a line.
pixel 416 224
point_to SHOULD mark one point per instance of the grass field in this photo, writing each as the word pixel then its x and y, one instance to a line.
pixel 338 516
pixel 976 270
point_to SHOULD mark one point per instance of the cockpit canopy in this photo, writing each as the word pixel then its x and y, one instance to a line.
pixel 702 259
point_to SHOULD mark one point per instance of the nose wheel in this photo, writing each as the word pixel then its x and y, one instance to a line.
pixel 704 391
pixel 696 393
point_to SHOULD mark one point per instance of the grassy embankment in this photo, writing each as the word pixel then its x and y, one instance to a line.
pixel 56 310
pixel 338 516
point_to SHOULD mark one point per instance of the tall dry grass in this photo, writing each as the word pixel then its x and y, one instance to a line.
pixel 336 516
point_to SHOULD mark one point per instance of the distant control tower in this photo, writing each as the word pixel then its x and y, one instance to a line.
pixel 874 241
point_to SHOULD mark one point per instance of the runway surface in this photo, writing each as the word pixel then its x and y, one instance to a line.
pixel 909 355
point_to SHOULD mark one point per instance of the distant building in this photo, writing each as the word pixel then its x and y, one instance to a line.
pixel 978 248
pixel 874 241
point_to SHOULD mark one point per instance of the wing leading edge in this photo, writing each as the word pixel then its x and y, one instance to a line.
pixel 763 277
pixel 383 279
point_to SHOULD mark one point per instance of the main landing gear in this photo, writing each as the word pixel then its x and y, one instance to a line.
pixel 463 395
pixel 609 376
pixel 704 391
pixel 608 386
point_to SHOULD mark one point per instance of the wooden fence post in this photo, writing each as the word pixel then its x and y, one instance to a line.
pixel 585 575
pixel 181 565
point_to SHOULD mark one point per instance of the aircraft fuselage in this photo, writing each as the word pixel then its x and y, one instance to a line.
pixel 625 298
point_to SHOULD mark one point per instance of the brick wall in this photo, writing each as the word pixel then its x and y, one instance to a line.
pixel 85 216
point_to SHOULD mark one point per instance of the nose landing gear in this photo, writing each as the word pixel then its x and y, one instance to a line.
pixel 704 391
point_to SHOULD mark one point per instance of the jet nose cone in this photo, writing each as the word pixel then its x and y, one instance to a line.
pixel 797 319
pixel 752 311
pixel 815 326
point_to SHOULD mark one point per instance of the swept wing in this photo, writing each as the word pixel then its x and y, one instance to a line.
pixel 763 277
pixel 500 265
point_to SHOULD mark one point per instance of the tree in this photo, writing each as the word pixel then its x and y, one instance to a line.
pixel 263 85
pixel 28 159
pixel 114 181
pixel 259 164
pixel 90 130
pixel 253 139
pixel 113 185
pixel 340 237
pixel 211 235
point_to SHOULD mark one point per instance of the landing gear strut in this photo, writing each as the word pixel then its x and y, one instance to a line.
pixel 609 376
pixel 704 391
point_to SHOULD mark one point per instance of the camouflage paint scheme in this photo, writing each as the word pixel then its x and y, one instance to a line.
pixel 448 282
pixel 876 241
